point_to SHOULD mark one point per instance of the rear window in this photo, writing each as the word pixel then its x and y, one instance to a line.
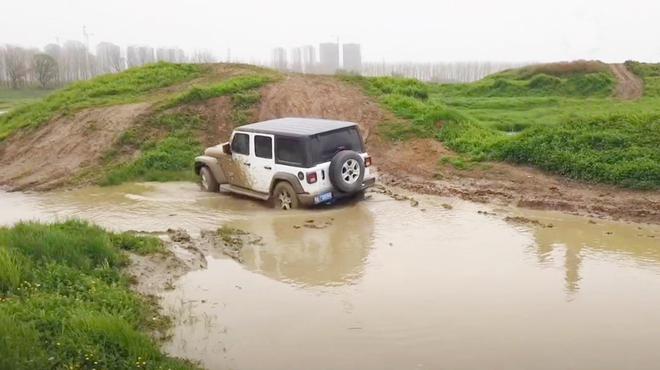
pixel 290 151
pixel 327 144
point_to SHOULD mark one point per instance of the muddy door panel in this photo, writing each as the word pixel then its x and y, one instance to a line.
pixel 262 162
pixel 238 166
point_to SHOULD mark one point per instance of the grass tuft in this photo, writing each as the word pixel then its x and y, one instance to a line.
pixel 65 301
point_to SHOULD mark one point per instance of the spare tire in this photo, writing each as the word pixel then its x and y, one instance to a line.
pixel 347 171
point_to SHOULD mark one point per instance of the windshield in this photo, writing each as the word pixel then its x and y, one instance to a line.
pixel 326 145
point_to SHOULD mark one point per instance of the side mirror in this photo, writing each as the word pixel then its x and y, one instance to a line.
pixel 226 148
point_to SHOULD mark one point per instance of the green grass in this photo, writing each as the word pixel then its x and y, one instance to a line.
pixel 10 98
pixel 650 74
pixel 231 86
pixel 617 149
pixel 127 87
pixel 558 117
pixel 169 156
pixel 169 141
pixel 65 302
pixel 596 84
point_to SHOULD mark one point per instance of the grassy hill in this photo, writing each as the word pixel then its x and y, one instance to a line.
pixel 559 117
pixel 161 142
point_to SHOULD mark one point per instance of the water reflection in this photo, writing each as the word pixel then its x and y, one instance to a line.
pixel 323 248
pixel 575 240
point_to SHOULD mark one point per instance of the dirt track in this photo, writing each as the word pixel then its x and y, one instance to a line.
pixel 629 86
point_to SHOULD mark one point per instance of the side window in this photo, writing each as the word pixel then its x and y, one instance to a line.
pixel 241 144
pixel 289 151
pixel 263 146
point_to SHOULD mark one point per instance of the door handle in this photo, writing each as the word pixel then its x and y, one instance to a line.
pixel 247 163
pixel 268 167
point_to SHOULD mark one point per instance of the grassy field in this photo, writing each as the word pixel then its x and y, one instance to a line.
pixel 131 86
pixel 12 98
pixel 65 301
pixel 558 117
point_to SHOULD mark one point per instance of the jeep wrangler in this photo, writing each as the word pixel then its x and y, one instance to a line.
pixel 289 161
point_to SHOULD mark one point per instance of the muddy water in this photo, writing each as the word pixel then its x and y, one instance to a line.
pixel 383 285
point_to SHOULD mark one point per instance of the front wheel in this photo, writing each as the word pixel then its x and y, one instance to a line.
pixel 207 181
pixel 284 196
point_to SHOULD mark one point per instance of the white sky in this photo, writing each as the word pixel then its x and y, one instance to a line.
pixel 405 30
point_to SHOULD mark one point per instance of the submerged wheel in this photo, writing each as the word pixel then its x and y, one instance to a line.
pixel 207 181
pixel 284 196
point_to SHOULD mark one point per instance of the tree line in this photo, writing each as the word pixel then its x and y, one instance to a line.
pixel 57 65
pixel 456 72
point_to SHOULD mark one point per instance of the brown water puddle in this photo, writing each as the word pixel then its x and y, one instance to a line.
pixel 380 284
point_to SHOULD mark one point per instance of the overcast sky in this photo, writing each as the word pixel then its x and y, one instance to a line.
pixel 406 30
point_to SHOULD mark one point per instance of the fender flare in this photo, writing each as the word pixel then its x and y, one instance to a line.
pixel 213 165
pixel 290 178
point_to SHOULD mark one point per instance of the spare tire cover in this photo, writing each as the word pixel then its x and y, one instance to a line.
pixel 347 171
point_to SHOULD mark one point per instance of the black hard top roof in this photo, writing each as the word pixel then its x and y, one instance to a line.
pixel 294 126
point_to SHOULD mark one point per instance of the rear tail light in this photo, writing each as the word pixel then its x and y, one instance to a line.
pixel 311 177
pixel 367 161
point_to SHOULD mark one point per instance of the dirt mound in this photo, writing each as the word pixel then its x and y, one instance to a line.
pixel 629 86
pixel 321 97
pixel 50 156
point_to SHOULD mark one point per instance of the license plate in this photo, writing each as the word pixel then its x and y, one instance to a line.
pixel 323 198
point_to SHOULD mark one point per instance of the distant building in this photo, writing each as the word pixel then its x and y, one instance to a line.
pixel 308 59
pixel 163 55
pixel 296 60
pixel 146 54
pixel 108 58
pixel 132 57
pixel 279 59
pixel 352 58
pixel 329 58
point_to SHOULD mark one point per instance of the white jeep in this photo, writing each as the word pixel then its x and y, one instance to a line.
pixel 291 161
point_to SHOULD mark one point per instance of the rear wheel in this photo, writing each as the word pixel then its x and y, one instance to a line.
pixel 207 181
pixel 284 196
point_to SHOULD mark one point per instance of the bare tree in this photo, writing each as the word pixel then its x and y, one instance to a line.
pixel 15 64
pixel 45 68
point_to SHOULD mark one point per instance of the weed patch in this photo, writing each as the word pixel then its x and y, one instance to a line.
pixel 236 85
pixel 74 309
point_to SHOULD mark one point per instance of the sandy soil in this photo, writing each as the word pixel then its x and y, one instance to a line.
pixel 50 156
pixel 414 164
pixel 629 86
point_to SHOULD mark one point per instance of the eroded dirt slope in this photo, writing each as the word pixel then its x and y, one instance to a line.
pixel 50 156
pixel 629 86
